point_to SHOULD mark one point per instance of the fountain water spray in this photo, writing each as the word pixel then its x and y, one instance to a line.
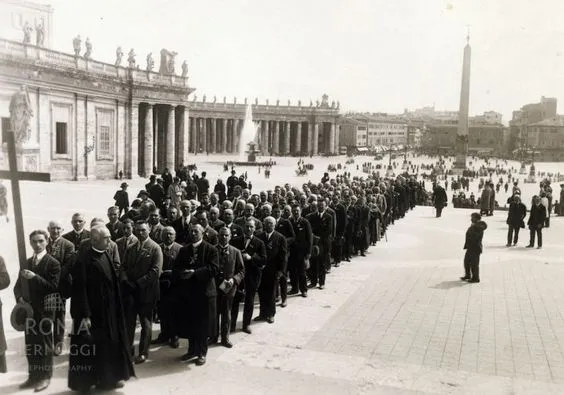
pixel 248 133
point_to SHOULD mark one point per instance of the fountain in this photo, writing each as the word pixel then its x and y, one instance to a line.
pixel 248 140
pixel 248 135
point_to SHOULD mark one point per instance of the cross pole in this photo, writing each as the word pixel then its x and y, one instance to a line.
pixel 15 177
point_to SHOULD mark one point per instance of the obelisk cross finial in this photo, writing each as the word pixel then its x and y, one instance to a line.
pixel 467 34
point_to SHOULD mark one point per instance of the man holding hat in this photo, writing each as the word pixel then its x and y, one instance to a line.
pixel 38 280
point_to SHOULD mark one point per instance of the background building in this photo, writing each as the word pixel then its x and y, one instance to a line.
pixel 373 130
pixel 14 15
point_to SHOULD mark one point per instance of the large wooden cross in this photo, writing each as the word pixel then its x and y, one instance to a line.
pixel 15 177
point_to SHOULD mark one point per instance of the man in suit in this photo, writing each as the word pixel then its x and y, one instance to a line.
pixel 236 231
pixel 322 227
pixel 231 274
pixel 440 199
pixel 300 252
pixel 276 264
pixel 155 227
pixel 284 227
pixel 114 226
pixel 537 219
pixel 183 224
pixel 193 276
pixel 170 250
pixel 340 226
pixel 248 213
pixel 254 258
pixel 78 234
pixel 515 219
pixel 140 273
pixel 362 229
pixel 127 240
pixel 215 222
pixel 41 278
pixel 210 235
pixel 473 247
pixel 63 251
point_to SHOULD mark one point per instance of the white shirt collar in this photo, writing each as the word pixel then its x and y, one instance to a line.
pixel 97 250
pixel 268 235
pixel 197 244
pixel 40 256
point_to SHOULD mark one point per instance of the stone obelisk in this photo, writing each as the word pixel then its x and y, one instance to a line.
pixel 462 133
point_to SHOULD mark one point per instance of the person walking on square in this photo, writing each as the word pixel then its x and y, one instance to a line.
pixel 439 199
pixel 3 202
pixel 121 198
pixel 537 218
pixel 515 219
pixel 41 275
pixel 473 247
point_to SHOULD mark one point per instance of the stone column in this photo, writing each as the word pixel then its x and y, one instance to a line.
pixel 193 135
pixel 133 123
pixel 337 133
pixel 170 140
pixel 156 144
pixel 286 149
pixel 298 143
pixel 224 136
pixel 212 136
pixel 235 136
pixel 332 139
pixel 309 138
pixel 183 135
pixel 276 138
pixel 148 142
pixel 265 142
pixel 315 138
pixel 204 135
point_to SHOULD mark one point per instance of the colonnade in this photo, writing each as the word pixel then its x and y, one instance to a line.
pixel 168 134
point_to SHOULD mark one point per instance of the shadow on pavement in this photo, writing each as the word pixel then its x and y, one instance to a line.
pixel 450 284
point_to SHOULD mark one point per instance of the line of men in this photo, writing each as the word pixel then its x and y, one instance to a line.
pixel 195 265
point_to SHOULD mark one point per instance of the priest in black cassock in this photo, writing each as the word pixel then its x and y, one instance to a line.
pixel 99 341
pixel 193 279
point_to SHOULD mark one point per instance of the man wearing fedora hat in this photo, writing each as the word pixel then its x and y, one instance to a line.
pixel 36 281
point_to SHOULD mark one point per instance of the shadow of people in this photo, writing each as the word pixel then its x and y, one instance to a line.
pixel 450 284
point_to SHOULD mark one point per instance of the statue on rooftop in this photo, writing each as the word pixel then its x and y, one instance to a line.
pixel 119 56
pixel 39 35
pixel 204 99
pixel 171 62
pixel 131 59
pixel 27 33
pixel 88 52
pixel 76 45
pixel 150 62
pixel 214 98
pixel 184 69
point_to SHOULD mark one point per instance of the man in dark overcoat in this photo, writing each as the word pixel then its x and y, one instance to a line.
pixel 515 219
pixel 254 258
pixel 97 311
pixel 276 264
pixel 193 277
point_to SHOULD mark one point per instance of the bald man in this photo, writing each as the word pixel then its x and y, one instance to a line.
pixel 63 251
pixel 96 303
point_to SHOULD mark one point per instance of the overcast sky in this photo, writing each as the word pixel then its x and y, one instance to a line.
pixel 371 55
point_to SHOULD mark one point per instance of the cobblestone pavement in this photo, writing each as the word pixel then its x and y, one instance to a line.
pixel 395 322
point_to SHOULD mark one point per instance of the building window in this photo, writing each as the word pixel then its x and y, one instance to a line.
pixel 6 125
pixel 104 138
pixel 61 138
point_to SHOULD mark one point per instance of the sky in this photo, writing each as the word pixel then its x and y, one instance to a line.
pixel 370 55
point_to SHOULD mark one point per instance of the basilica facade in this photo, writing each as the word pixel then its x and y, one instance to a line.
pixel 98 120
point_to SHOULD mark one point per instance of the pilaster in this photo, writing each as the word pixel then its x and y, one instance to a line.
pixel 170 140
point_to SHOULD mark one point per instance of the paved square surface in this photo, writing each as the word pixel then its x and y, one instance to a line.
pixel 396 322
